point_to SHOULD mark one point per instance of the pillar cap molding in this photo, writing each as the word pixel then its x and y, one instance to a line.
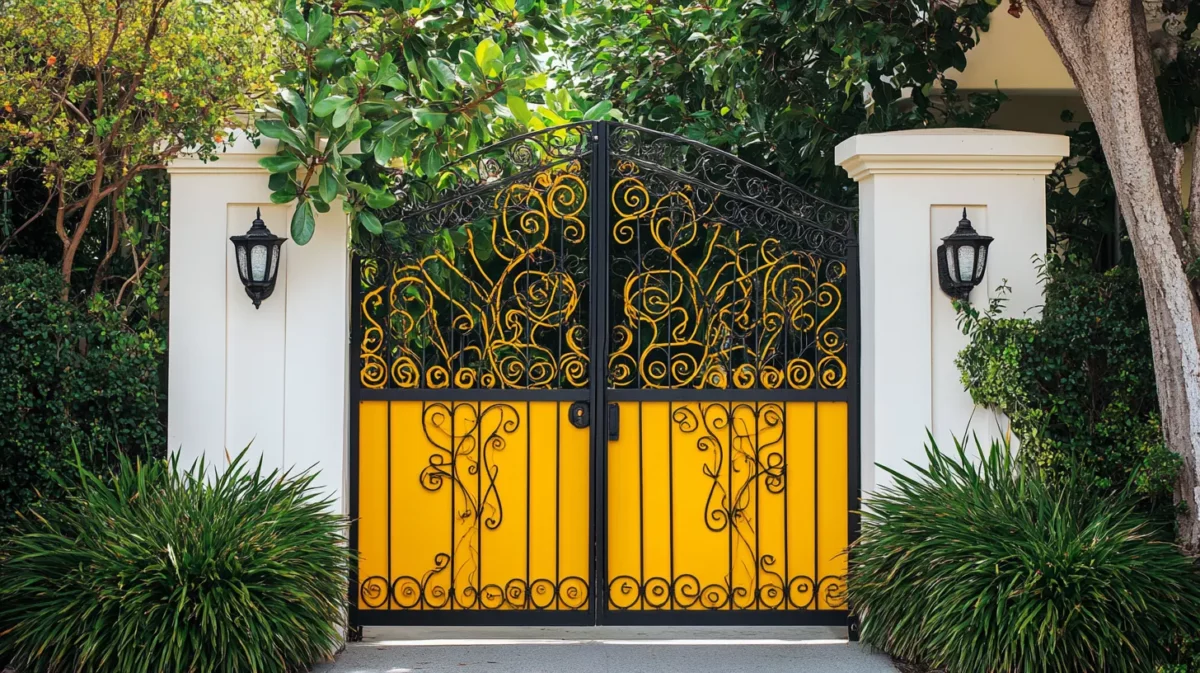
pixel 951 152
pixel 241 156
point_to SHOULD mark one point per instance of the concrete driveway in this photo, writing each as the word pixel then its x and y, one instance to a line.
pixel 624 649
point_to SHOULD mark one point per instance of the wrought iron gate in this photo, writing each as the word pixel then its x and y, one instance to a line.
pixel 614 381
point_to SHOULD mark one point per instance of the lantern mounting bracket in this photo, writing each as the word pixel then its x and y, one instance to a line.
pixel 962 258
pixel 256 254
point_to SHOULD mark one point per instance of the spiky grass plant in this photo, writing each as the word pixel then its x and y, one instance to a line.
pixel 151 569
pixel 977 567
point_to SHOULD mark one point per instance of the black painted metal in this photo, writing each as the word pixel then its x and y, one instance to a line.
pixel 750 198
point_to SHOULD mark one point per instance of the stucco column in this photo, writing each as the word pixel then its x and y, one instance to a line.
pixel 272 378
pixel 913 186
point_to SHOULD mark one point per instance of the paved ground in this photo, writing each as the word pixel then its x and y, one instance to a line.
pixel 607 649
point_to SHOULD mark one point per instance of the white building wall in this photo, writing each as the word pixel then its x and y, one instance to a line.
pixel 272 378
pixel 913 186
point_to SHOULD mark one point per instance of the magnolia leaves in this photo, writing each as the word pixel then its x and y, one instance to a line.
pixel 368 98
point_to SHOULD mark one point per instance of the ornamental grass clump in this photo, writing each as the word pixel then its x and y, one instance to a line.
pixel 980 567
pixel 152 569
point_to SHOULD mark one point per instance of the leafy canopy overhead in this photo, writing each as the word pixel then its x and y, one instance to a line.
pixel 779 82
pixel 125 76
pixel 414 82
pixel 93 93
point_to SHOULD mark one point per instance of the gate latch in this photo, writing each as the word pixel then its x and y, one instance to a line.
pixel 580 414
pixel 614 421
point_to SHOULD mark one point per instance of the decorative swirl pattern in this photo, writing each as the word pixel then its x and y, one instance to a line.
pixel 707 296
pixel 462 190
pixel 759 199
pixel 502 310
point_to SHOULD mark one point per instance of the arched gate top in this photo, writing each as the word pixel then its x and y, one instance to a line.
pixel 745 195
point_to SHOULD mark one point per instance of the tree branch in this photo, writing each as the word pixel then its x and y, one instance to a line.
pixel 11 237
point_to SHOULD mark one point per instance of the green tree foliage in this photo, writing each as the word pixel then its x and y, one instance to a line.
pixel 94 94
pixel 69 375
pixel 1077 385
pixel 972 565
pixel 157 569
pixel 779 82
pixel 415 83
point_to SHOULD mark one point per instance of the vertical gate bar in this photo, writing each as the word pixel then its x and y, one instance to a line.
pixel 528 424
pixel 557 505
pixel 729 525
pixel 641 286
pixel 761 356
pixel 389 502
pixel 561 267
pixel 671 496
pixel 756 526
pixel 450 406
pixel 528 495
pixel 853 434
pixel 641 511
pixel 480 466
pixel 387 359
pixel 817 504
pixel 787 484
pixel 598 321
pixel 353 619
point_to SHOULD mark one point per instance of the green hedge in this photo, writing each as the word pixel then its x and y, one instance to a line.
pixel 1078 384
pixel 975 566
pixel 69 375
pixel 150 570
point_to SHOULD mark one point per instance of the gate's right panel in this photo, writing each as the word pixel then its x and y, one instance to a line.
pixel 729 466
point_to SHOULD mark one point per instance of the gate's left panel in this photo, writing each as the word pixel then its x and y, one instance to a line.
pixel 472 381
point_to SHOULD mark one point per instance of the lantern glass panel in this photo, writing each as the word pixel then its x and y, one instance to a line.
pixel 274 261
pixel 982 256
pixel 950 259
pixel 966 263
pixel 241 260
pixel 258 263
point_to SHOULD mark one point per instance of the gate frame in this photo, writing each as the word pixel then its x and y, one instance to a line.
pixel 599 397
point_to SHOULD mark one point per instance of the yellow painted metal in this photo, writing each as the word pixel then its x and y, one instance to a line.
pixel 728 505
pixel 505 531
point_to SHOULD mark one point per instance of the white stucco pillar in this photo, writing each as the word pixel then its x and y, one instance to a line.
pixel 913 186
pixel 272 378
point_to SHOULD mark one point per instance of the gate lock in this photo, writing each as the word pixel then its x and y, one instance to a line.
pixel 580 414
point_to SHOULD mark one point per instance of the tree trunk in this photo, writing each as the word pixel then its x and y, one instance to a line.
pixel 1105 46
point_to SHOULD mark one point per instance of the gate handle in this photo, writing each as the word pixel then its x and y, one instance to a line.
pixel 614 421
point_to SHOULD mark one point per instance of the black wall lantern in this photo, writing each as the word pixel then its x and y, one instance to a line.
pixel 257 253
pixel 962 259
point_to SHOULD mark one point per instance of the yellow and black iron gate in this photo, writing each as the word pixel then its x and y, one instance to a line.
pixel 605 375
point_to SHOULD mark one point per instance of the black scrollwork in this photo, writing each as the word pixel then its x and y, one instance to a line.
pixel 429 592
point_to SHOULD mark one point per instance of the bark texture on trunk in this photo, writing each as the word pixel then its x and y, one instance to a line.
pixel 1105 46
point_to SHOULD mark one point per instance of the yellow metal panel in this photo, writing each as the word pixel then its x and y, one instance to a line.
pixel 490 498
pixel 801 560
pixel 770 507
pixel 574 506
pixel 506 430
pixel 656 510
pixel 699 475
pixel 624 505
pixel 372 505
pixel 417 537
pixel 544 491
pixel 832 421
pixel 751 514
